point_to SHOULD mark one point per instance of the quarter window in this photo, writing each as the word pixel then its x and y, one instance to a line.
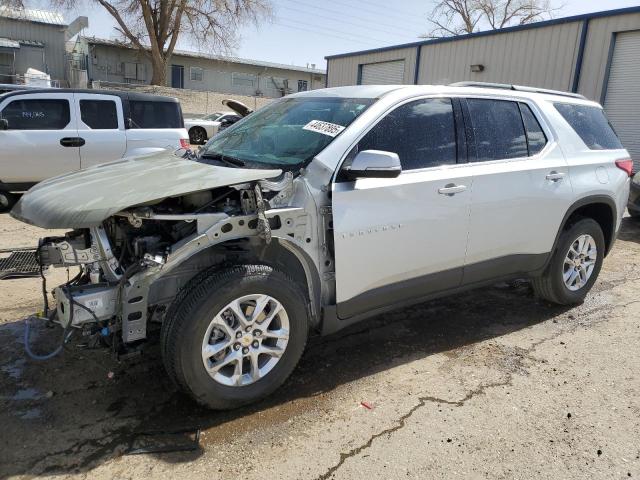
pixel 591 124
pixel 148 114
pixel 99 114
pixel 498 129
pixel 536 139
pixel 422 133
pixel 37 114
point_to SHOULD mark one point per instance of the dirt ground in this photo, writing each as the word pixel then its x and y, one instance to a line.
pixel 488 384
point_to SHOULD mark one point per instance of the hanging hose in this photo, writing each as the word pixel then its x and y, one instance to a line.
pixel 66 335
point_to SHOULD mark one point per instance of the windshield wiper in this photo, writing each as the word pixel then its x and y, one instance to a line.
pixel 235 162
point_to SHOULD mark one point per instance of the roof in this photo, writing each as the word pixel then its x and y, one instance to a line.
pixel 546 23
pixel 407 91
pixel 220 58
pixel 32 15
pixel 118 93
pixel 8 43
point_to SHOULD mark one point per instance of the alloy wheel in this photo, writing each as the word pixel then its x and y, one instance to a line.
pixel 245 340
pixel 579 262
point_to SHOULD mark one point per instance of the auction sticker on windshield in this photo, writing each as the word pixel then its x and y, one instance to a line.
pixel 326 128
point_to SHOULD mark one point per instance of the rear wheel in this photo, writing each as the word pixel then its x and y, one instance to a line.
pixel 236 336
pixel 575 264
pixel 197 136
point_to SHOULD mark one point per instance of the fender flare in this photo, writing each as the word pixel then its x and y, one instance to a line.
pixel 582 202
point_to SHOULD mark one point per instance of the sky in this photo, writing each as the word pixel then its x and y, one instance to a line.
pixel 305 31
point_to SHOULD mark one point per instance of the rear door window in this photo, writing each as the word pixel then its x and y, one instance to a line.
pixel 155 114
pixel 591 125
pixel 99 114
pixel 498 129
pixel 37 114
pixel 536 139
pixel 422 133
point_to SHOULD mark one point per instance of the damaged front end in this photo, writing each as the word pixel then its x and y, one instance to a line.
pixel 133 263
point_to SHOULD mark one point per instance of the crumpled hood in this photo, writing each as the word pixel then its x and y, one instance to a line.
pixel 85 198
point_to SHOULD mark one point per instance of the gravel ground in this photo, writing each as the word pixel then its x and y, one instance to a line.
pixel 488 384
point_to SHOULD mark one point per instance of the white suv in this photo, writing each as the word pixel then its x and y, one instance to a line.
pixel 327 207
pixel 48 132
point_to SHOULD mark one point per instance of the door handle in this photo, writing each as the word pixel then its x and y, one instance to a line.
pixel 72 141
pixel 555 176
pixel 451 189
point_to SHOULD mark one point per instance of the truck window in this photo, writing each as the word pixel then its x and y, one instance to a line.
pixel 498 129
pixel 37 114
pixel 155 114
pixel 422 133
pixel 99 114
pixel 591 125
pixel 536 139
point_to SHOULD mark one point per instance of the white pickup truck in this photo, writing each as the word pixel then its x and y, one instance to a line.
pixel 47 132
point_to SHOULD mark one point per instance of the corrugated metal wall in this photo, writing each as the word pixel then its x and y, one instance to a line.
pixel 541 57
pixel 597 48
pixel 544 56
pixel 51 35
pixel 344 71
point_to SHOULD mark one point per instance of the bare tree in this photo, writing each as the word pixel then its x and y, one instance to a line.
pixel 154 26
pixel 457 17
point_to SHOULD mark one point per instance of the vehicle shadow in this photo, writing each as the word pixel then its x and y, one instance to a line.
pixel 630 230
pixel 77 411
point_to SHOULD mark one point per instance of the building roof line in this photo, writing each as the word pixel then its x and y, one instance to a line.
pixel 516 28
pixel 221 58
pixel 32 15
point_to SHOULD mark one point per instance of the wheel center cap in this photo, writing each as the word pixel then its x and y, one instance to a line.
pixel 246 340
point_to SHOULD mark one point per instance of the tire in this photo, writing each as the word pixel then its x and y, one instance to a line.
pixel 204 302
pixel 197 136
pixel 7 200
pixel 551 284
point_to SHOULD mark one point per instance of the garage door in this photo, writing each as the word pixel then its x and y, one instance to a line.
pixel 622 102
pixel 383 73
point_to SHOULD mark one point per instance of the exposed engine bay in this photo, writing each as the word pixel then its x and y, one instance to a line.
pixel 132 266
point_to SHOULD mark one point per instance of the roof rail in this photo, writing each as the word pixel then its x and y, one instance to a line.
pixel 519 88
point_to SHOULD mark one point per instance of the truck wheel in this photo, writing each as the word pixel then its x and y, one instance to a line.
pixel 575 264
pixel 197 136
pixel 6 201
pixel 235 336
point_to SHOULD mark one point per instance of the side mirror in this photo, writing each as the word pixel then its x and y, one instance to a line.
pixel 4 124
pixel 375 164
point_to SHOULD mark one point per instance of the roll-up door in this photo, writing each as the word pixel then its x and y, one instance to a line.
pixel 383 73
pixel 622 101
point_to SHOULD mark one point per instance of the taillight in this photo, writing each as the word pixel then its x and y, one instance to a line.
pixel 184 143
pixel 626 165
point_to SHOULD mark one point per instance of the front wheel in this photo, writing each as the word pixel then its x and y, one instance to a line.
pixel 575 264
pixel 236 336
pixel 7 200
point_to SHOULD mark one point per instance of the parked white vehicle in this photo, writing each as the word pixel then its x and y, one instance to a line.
pixel 328 207
pixel 48 132
pixel 202 129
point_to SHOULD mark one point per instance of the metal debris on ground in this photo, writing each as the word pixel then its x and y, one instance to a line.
pixel 18 263
pixel 186 440
pixel 367 405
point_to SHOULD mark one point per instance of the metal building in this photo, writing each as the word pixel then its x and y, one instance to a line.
pixel 597 55
pixel 112 61
pixel 34 39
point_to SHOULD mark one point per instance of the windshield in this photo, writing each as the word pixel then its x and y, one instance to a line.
pixel 289 132
pixel 213 116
